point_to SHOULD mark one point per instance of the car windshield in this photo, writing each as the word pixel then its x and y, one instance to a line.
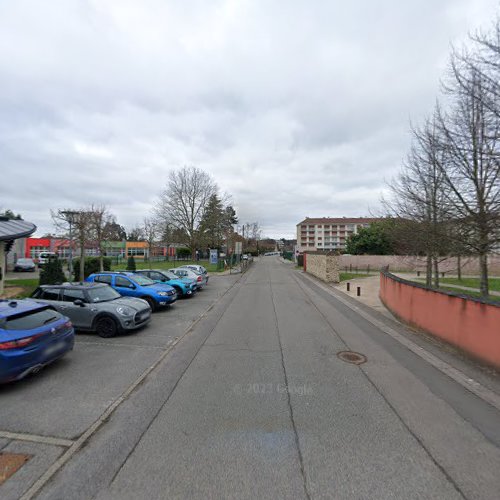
pixel 24 261
pixel 170 275
pixel 102 294
pixel 143 280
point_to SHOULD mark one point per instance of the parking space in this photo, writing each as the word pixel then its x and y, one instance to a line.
pixel 58 404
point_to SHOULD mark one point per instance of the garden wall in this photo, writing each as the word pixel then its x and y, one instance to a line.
pixel 449 265
pixel 469 324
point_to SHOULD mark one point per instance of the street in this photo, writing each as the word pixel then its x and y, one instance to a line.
pixel 241 394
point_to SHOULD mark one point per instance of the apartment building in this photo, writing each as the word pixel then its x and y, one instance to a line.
pixel 328 233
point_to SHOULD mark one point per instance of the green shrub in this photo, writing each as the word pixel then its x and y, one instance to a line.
pixel 92 265
pixel 131 264
pixel 183 253
pixel 51 273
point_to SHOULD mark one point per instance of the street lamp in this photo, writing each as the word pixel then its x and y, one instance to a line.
pixel 69 217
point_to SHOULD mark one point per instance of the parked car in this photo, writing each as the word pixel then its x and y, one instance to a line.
pixel 32 335
pixel 95 307
pixel 197 269
pixel 185 287
pixel 134 285
pixel 185 272
pixel 24 264
pixel 44 257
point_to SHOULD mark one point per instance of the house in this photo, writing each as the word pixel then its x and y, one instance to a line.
pixel 328 233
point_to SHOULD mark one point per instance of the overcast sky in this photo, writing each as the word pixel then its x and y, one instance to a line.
pixel 296 108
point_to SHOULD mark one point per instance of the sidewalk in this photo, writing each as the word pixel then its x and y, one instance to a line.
pixel 369 288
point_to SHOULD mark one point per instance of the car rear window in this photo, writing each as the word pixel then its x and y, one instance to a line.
pixel 30 320
pixel 103 279
pixel 50 294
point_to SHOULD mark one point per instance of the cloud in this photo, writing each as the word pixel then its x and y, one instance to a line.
pixel 294 108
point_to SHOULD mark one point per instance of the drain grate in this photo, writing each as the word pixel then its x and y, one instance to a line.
pixel 10 463
pixel 352 357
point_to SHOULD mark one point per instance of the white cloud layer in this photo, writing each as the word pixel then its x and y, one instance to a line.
pixel 295 108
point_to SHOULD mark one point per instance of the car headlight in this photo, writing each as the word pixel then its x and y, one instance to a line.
pixel 163 294
pixel 124 311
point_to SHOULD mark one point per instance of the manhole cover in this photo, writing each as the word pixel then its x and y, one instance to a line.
pixel 352 357
pixel 11 463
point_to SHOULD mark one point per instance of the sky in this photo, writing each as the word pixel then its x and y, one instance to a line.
pixel 296 108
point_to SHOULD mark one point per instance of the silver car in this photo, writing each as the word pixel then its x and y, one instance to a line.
pixel 186 272
pixel 95 307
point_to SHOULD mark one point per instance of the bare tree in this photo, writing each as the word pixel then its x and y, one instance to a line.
pixel 419 196
pixel 100 221
pixel 183 201
pixel 151 232
pixel 470 135
pixel 82 229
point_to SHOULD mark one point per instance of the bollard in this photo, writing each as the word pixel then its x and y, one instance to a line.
pixel 348 287
pixel 358 291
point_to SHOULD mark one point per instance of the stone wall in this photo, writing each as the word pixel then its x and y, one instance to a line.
pixel 324 267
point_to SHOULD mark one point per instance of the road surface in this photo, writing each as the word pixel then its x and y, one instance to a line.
pixel 255 403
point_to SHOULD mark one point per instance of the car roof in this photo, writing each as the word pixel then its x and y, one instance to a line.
pixel 11 307
pixel 76 285
pixel 122 273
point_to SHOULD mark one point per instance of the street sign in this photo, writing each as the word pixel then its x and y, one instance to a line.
pixel 213 256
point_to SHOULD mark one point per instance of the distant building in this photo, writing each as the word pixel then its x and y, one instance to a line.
pixel 328 233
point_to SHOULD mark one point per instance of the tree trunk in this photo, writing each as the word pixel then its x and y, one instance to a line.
pixel 483 269
pixel 459 267
pixel 82 261
pixel 428 272
pixel 436 271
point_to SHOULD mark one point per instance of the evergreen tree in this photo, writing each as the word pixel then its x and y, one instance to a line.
pixel 52 273
pixel 131 264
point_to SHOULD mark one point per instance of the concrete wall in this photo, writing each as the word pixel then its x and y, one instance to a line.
pixel 471 325
pixel 470 265
pixel 324 267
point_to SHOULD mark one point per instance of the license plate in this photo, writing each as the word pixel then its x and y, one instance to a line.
pixel 54 348
pixel 163 303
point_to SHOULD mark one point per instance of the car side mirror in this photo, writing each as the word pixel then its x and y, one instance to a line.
pixel 79 302
pixel 132 287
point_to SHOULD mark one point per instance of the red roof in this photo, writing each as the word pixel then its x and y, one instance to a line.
pixel 339 220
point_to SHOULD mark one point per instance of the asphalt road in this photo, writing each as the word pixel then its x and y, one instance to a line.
pixel 253 402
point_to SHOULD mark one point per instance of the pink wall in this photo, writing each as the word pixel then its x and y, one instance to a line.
pixel 470 325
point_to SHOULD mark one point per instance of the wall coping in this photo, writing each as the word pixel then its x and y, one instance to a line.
pixel 458 295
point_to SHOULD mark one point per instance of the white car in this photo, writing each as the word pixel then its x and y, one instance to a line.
pixel 44 257
pixel 186 272
pixel 197 269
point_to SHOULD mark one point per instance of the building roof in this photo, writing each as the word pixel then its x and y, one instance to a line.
pixel 339 220
pixel 12 229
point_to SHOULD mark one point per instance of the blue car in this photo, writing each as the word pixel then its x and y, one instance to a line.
pixel 185 287
pixel 134 285
pixel 32 335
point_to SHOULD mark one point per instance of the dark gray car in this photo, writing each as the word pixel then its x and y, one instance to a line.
pixel 95 307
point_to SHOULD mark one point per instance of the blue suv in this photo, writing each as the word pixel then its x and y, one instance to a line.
pixel 32 335
pixel 135 285
pixel 185 287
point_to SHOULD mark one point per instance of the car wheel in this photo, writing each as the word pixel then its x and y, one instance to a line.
pixel 178 291
pixel 106 327
pixel 151 302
